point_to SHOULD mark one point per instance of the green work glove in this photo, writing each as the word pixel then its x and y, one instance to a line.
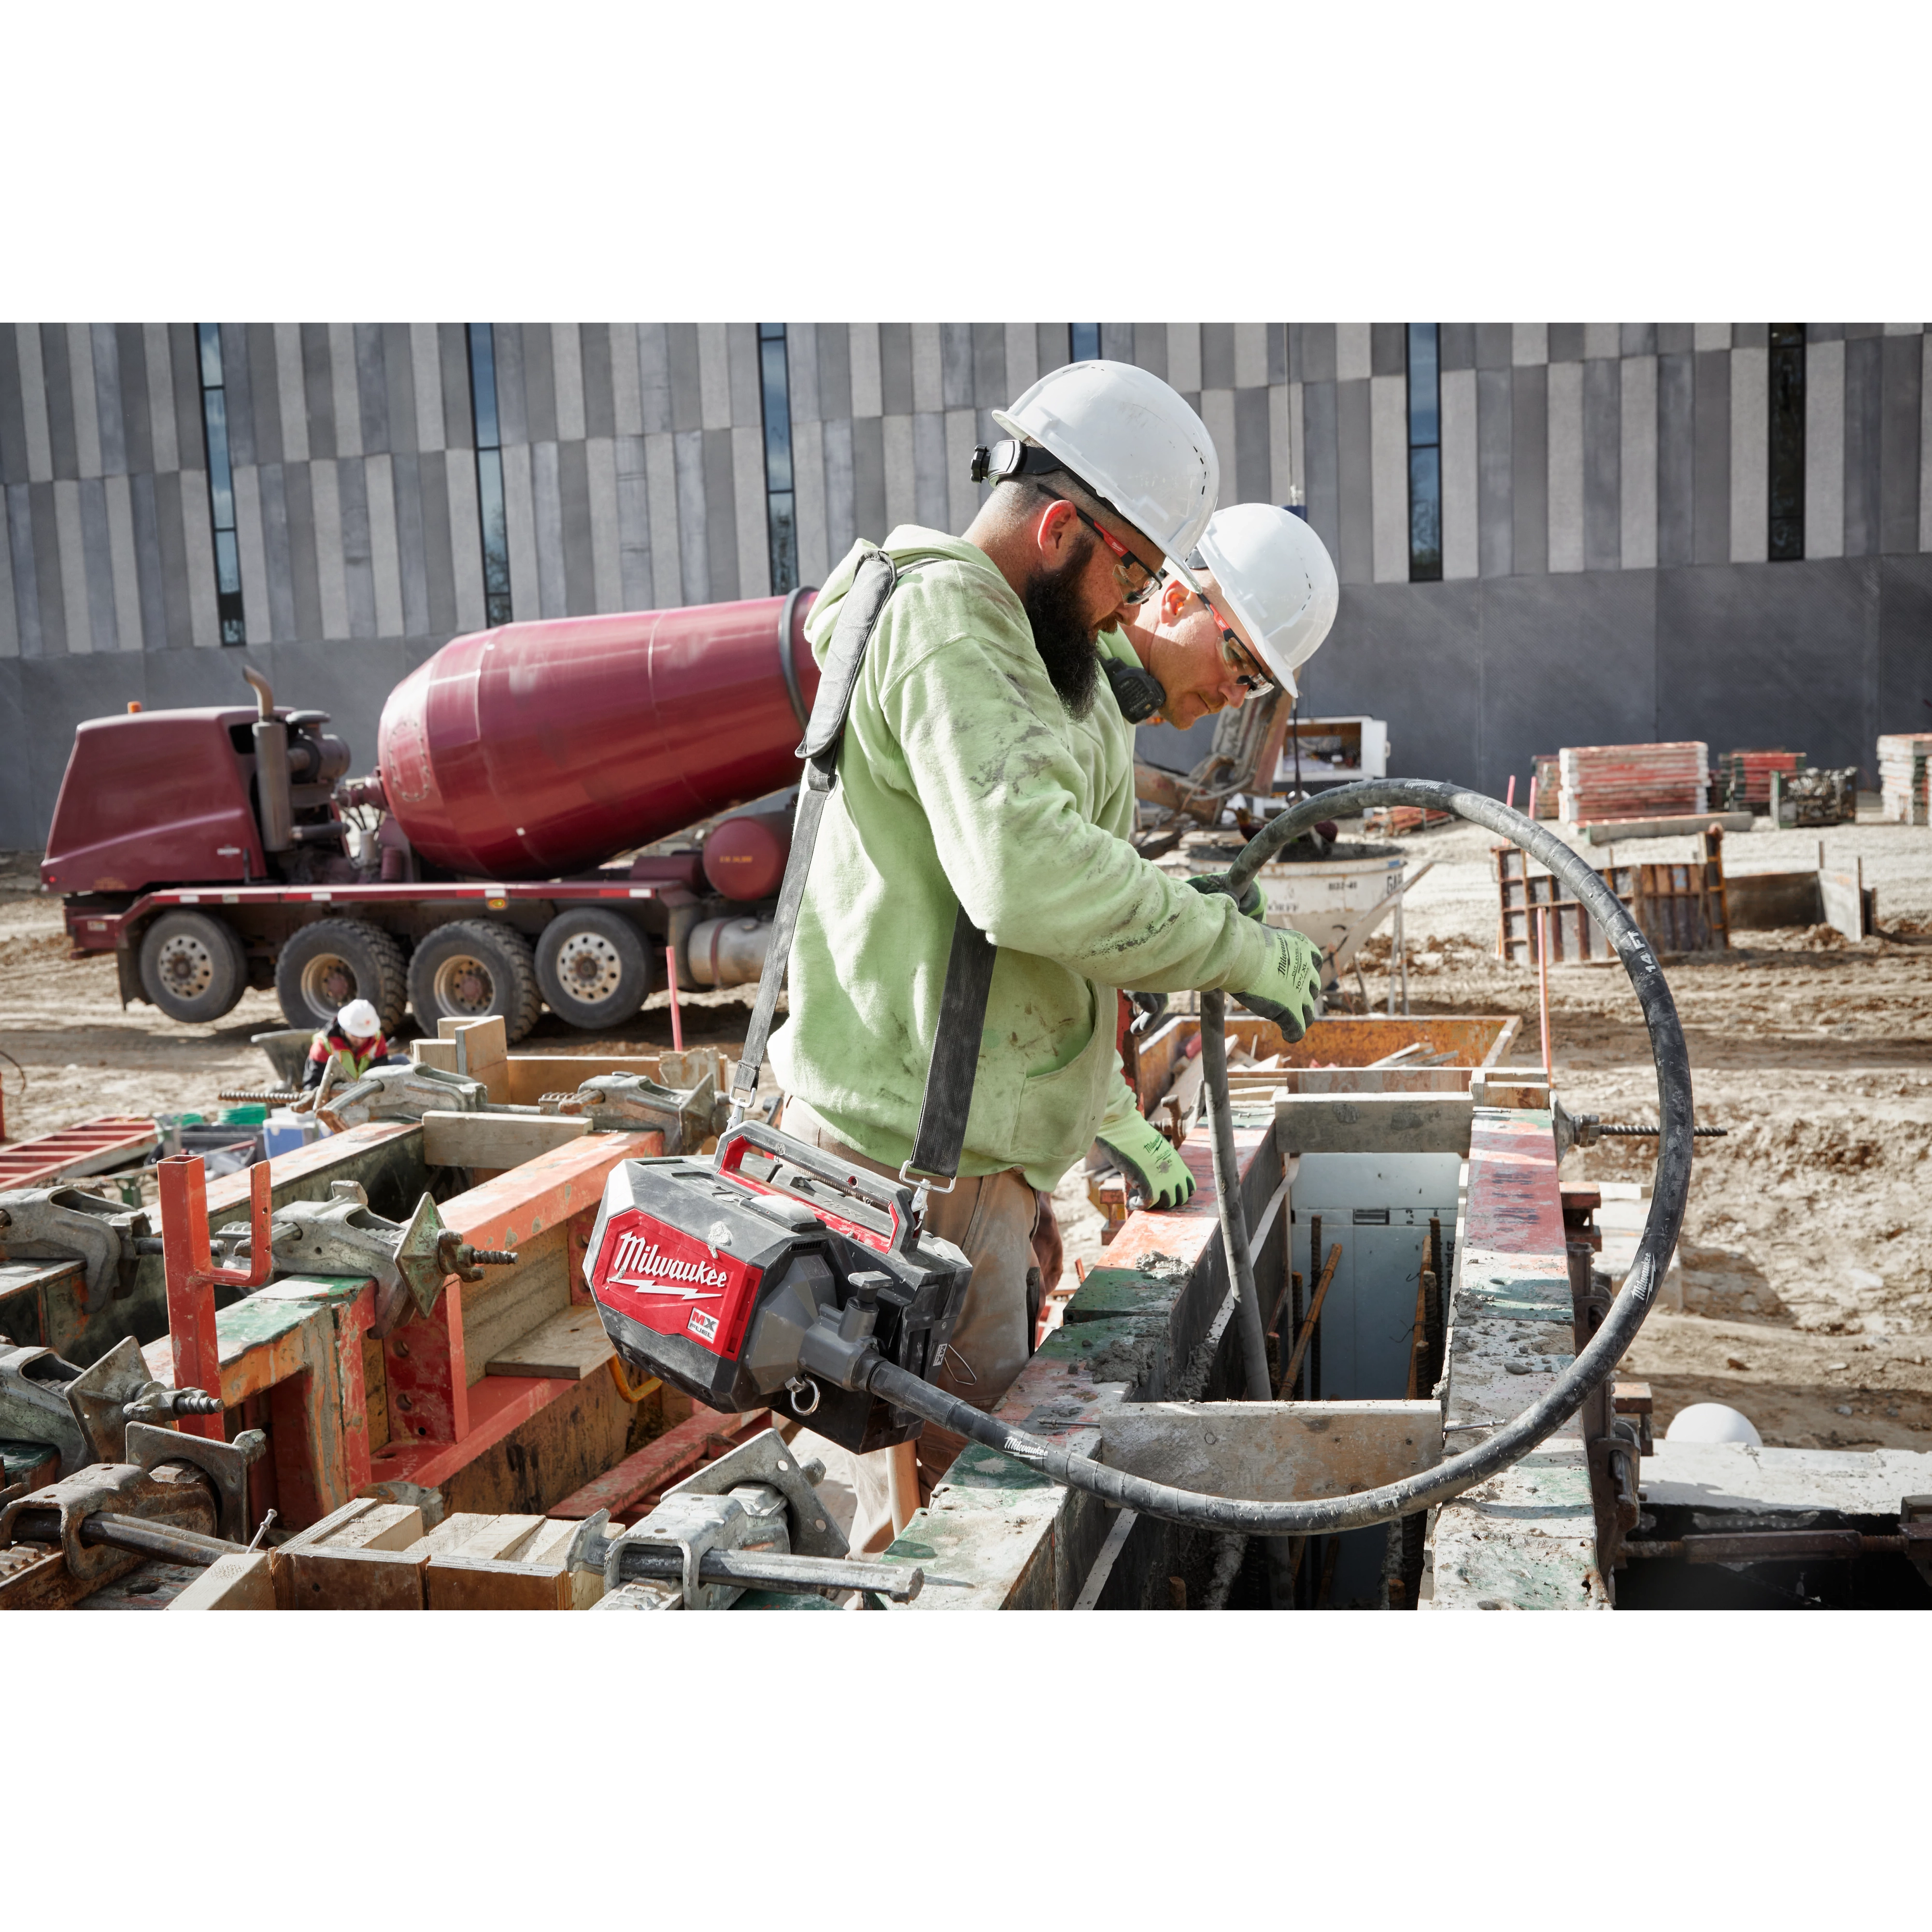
pixel 1140 1150
pixel 1251 905
pixel 1287 995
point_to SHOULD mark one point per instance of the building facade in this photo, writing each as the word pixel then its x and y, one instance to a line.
pixel 1547 533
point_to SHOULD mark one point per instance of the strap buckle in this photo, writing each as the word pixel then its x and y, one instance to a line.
pixel 921 1185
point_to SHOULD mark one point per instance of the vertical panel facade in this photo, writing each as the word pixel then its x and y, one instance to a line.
pixel 633 455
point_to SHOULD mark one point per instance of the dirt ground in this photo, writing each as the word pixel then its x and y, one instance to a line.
pixel 1807 1254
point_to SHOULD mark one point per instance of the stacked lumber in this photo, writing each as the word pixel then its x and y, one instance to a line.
pixel 1747 776
pixel 1904 760
pixel 1602 782
pixel 1549 782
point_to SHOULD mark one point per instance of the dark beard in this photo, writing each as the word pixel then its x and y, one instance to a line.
pixel 1061 634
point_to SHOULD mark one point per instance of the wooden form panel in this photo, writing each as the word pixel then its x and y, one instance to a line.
pixel 1680 906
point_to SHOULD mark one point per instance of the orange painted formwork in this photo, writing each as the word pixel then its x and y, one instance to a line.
pixel 294 1348
pixel 87 1148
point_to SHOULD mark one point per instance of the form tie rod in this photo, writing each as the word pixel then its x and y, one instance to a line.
pixel 822 1576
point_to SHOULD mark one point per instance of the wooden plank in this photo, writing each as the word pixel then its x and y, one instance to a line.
pixel 496 1140
pixel 482 1583
pixel 510 1303
pixel 350 1580
pixel 481 1047
pixel 1841 897
pixel 568 1346
pixel 242 1581
pixel 362 1521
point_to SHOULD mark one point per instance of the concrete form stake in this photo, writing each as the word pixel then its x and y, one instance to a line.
pixel 676 1022
pixel 1543 981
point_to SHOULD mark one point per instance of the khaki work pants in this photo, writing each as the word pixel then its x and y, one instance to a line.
pixel 991 1220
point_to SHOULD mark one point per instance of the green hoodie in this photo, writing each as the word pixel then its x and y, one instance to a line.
pixel 962 773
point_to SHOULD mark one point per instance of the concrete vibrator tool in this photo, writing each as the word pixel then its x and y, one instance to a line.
pixel 774 1268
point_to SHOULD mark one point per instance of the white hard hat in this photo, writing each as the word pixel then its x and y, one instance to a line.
pixel 1132 441
pixel 359 1020
pixel 1275 574
pixel 1712 1422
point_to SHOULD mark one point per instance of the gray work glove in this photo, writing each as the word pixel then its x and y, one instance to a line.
pixel 1287 995
pixel 1252 906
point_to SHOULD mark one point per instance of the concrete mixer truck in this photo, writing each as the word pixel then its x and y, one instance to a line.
pixel 477 871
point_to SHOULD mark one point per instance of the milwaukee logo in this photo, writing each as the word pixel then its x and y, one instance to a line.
pixel 638 1262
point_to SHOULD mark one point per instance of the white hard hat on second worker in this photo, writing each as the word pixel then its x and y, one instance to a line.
pixel 1131 440
pixel 359 1021
pixel 1274 574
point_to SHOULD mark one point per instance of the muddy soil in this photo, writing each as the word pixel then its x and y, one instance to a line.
pixel 1806 1251
pixel 1807 1254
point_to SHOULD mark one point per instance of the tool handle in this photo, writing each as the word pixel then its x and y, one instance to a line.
pixel 893 1199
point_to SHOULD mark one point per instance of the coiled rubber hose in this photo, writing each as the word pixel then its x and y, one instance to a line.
pixel 1513 1440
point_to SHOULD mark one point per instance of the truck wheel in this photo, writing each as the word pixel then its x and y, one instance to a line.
pixel 473 969
pixel 193 966
pixel 324 966
pixel 592 968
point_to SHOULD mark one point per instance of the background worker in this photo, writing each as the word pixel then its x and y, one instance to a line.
pixel 353 1039
pixel 1264 596
pixel 974 776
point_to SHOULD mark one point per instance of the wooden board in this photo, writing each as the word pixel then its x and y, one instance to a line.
pixel 1842 896
pixel 496 1140
pixel 535 1577
pixel 480 1047
pixel 510 1303
pixel 355 1558
pixel 567 1347
pixel 242 1582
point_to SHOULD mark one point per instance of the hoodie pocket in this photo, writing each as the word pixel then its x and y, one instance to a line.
pixel 1059 1112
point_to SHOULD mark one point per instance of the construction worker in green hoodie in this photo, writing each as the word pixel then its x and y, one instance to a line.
pixel 987 766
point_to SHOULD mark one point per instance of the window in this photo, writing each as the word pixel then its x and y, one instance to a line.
pixel 220 486
pixel 1425 456
pixel 489 474
pixel 1083 340
pixel 781 516
pixel 1787 493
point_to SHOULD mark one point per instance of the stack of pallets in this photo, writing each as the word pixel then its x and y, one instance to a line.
pixel 1606 782
pixel 1746 776
pixel 1548 784
pixel 1904 760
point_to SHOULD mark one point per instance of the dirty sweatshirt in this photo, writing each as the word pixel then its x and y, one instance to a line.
pixel 963 781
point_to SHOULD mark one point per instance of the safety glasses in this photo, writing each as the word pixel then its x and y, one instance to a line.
pixel 1124 559
pixel 1249 675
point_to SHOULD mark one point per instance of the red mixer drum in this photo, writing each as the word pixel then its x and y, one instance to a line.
pixel 540 749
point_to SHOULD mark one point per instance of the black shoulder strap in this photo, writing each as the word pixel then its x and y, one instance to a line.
pixel 941 1132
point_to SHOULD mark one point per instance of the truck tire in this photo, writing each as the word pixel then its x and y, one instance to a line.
pixel 324 966
pixel 592 968
pixel 193 966
pixel 474 969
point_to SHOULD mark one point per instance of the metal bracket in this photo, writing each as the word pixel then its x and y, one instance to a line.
pixel 342 1237
pixel 630 1102
pixel 68 1224
pixel 226 1465
pixel 768 1458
